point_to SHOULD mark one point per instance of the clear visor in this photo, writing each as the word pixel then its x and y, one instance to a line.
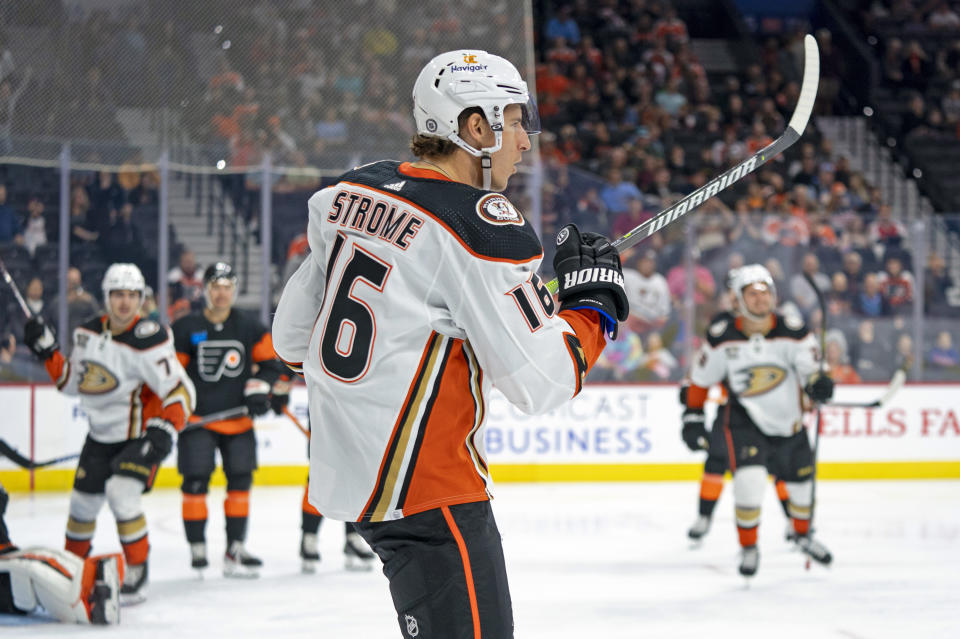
pixel 531 117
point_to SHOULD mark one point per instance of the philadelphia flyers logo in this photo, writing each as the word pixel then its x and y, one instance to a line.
pixel 758 380
pixel 220 358
pixel 96 379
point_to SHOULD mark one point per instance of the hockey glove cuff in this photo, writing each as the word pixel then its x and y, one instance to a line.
pixel 39 338
pixel 256 396
pixel 694 431
pixel 820 389
pixel 589 276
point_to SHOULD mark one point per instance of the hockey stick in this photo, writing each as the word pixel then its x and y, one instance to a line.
pixel 296 422
pixel 896 383
pixel 16 291
pixel 229 413
pixel 18 459
pixel 795 128
pixel 816 436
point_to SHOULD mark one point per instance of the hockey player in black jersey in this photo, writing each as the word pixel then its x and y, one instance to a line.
pixel 229 356
pixel 763 359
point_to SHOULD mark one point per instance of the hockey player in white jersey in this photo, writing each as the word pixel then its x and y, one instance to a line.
pixel 136 396
pixel 420 295
pixel 71 589
pixel 763 359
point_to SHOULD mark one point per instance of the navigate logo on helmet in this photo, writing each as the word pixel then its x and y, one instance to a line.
pixel 470 58
pixel 496 209
pixel 470 63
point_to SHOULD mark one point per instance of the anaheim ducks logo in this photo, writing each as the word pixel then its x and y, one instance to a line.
pixel 758 380
pixel 95 379
pixel 219 358
pixel 496 209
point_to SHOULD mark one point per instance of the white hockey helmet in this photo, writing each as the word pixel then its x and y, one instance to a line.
pixel 748 275
pixel 457 80
pixel 123 277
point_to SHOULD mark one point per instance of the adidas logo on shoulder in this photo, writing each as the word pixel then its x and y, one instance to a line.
pixel 396 186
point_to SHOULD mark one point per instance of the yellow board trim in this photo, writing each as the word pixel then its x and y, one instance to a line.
pixel 62 479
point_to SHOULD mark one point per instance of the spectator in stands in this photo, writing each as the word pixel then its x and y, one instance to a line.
pixel 122 241
pixel 704 286
pixel 892 61
pixel 914 116
pixel 944 18
pixel 838 362
pixel 950 105
pixel 647 292
pixel 33 296
pixel 186 281
pixel 839 298
pixel 9 220
pixel 885 230
pixel 106 198
pixel 80 227
pixel 871 357
pixel 657 359
pixel 81 305
pixel 936 284
pixel 616 195
pixel 917 68
pixel 853 269
pixel 903 355
pixel 630 219
pixel 35 226
pixel 870 301
pixel 562 25
pixel 896 286
pixel 800 290
pixel 944 357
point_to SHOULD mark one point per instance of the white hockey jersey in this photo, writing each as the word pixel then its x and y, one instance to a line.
pixel 123 380
pixel 420 294
pixel 764 374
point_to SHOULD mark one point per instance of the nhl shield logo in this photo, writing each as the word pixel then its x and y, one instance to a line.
pixel 413 628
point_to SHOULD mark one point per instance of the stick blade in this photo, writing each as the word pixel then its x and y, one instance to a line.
pixel 811 82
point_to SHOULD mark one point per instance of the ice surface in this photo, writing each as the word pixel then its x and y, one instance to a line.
pixel 585 560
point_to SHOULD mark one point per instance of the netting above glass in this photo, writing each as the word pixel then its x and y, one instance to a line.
pixel 324 84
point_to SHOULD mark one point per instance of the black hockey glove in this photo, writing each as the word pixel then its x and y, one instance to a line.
pixel 280 395
pixel 820 389
pixel 589 276
pixel 694 432
pixel 159 440
pixel 256 396
pixel 39 338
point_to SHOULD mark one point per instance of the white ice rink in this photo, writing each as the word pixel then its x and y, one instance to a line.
pixel 584 560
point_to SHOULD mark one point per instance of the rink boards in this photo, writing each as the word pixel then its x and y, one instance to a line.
pixel 607 433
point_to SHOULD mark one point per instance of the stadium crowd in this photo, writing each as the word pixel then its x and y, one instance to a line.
pixel 632 121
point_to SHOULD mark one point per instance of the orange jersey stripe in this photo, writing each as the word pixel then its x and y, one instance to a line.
pixel 183 358
pixel 227 426
pixel 263 349
pixel 586 324
pixel 53 563
pixel 306 506
pixel 696 396
pixel 468 571
pixel 442 465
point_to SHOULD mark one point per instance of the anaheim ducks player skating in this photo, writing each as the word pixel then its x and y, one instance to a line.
pixel 763 359
pixel 137 397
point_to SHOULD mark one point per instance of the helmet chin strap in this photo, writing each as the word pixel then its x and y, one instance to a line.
pixel 486 165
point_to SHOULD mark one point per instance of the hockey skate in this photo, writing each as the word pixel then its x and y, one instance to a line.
pixel 814 550
pixel 198 557
pixel 134 588
pixel 749 561
pixel 237 562
pixel 309 553
pixel 357 553
pixel 700 528
pixel 105 595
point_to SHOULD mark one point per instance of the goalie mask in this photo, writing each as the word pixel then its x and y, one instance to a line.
pixel 457 80
pixel 123 277
pixel 219 273
pixel 749 275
